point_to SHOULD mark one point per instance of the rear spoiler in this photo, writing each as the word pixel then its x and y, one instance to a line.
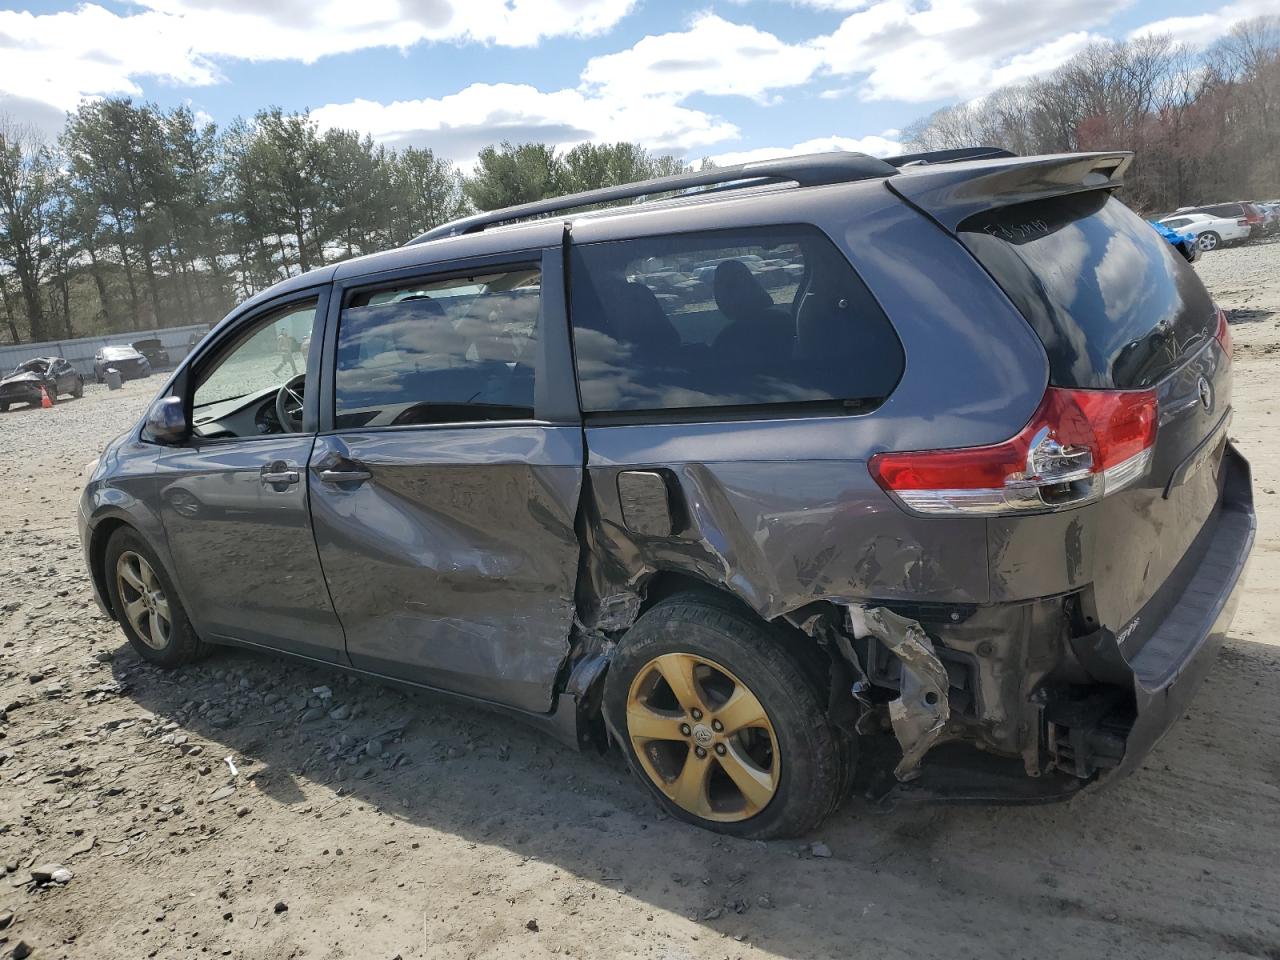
pixel 950 193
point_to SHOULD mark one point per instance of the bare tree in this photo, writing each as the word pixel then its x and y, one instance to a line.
pixel 1205 127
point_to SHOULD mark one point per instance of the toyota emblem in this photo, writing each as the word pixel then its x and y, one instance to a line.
pixel 1206 394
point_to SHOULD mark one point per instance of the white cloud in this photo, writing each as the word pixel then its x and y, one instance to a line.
pixel 55 60
pixel 956 48
pixel 883 145
pixel 58 58
pixel 713 56
pixel 458 125
pixel 1202 29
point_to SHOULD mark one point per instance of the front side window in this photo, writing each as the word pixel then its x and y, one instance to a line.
pixel 766 315
pixel 266 358
pixel 432 351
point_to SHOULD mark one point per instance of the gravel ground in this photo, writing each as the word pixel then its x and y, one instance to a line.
pixel 196 814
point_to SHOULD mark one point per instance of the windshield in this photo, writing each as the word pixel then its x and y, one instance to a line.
pixel 31 366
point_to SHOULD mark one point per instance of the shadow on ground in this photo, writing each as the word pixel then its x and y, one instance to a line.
pixel 1178 860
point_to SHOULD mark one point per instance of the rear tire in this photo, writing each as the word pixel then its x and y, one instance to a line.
pixel 1208 241
pixel 744 747
pixel 146 605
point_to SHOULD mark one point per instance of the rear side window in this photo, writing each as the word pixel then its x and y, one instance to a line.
pixel 1114 304
pixel 1225 210
pixel 439 351
pixel 761 316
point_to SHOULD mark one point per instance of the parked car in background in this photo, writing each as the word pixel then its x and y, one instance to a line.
pixel 154 351
pixel 1210 231
pixel 131 364
pixel 1271 211
pixel 944 491
pixel 53 374
pixel 1241 211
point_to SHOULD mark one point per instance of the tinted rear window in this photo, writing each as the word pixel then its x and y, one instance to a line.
pixel 760 316
pixel 1114 304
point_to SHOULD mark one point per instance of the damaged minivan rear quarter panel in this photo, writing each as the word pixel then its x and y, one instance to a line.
pixel 778 507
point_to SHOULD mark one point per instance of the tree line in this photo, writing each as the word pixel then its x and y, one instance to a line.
pixel 138 217
pixel 1204 124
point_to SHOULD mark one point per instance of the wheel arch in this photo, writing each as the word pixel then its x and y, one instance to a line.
pixel 594 647
pixel 98 540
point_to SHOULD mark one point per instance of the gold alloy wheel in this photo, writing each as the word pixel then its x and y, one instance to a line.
pixel 703 738
pixel 145 604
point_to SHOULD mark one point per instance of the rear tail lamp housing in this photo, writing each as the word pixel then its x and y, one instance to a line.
pixel 1223 334
pixel 1079 446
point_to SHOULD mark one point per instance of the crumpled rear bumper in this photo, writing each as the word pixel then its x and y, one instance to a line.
pixel 1091 740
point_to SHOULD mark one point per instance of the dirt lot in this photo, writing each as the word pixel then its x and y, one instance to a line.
pixel 397 826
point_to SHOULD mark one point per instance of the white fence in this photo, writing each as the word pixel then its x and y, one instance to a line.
pixel 176 340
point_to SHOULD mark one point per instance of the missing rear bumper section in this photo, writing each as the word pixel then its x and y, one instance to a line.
pixel 1023 703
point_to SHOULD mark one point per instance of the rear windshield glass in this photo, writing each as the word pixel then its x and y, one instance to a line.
pixel 1115 305
pixel 761 316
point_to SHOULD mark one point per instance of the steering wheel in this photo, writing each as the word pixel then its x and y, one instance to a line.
pixel 289 404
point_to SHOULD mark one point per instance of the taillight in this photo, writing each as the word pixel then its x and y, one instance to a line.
pixel 1242 222
pixel 1223 333
pixel 1078 446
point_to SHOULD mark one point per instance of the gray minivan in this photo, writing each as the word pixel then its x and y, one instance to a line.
pixel 921 460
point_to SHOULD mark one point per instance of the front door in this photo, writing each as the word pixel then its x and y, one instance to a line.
pixel 234 496
pixel 444 492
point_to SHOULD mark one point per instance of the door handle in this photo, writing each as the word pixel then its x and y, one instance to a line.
pixel 280 473
pixel 345 475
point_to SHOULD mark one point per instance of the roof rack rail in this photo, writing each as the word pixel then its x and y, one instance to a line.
pixel 808 170
pixel 950 156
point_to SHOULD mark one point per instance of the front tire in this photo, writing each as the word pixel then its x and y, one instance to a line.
pixel 1209 241
pixel 721 721
pixel 146 605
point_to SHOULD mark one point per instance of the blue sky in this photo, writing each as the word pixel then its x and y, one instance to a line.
pixel 724 78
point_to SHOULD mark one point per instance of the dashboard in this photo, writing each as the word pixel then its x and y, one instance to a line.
pixel 251 415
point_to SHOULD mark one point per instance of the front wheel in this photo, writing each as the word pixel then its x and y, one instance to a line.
pixel 722 722
pixel 1209 241
pixel 146 604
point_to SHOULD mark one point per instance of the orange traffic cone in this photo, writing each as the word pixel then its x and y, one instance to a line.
pixel 45 402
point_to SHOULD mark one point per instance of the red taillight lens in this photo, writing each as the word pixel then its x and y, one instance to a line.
pixel 1079 445
pixel 1223 333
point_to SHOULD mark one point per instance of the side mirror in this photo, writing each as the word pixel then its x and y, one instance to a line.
pixel 167 420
